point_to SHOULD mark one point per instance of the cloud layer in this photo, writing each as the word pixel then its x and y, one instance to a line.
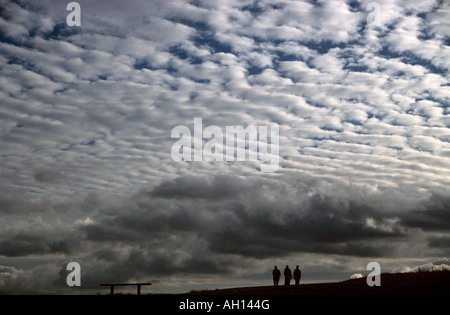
pixel 85 129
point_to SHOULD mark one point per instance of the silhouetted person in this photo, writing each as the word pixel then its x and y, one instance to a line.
pixel 297 275
pixel 276 275
pixel 287 275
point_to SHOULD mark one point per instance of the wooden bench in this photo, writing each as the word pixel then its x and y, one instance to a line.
pixel 112 285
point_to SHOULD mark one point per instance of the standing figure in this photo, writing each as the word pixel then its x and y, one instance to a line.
pixel 287 275
pixel 276 276
pixel 297 275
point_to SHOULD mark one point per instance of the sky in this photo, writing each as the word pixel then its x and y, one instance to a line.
pixel 86 120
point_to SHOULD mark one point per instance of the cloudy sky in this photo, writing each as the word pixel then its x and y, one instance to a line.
pixel 86 115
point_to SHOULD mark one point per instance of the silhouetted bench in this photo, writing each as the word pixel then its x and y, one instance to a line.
pixel 112 285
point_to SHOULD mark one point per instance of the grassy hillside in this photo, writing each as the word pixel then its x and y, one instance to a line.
pixel 423 283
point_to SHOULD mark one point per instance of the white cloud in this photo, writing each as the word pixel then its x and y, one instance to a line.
pixel 356 276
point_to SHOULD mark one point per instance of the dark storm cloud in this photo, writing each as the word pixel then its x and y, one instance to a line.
pixel 11 201
pixel 37 240
pixel 267 226
pixel 316 228
pixel 194 187
pixel 166 264
pixel 234 224
pixel 24 245
pixel 49 176
pixel 189 234
pixel 435 216
pixel 199 235
pixel 439 242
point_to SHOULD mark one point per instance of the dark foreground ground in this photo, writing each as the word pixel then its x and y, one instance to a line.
pixel 420 283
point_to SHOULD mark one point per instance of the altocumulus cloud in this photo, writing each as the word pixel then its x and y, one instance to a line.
pixel 86 173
